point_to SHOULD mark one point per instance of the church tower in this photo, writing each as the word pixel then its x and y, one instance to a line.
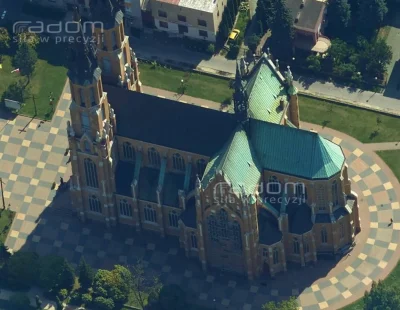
pixel 116 59
pixel 90 134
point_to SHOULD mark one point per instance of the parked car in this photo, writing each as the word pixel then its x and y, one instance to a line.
pixel 234 35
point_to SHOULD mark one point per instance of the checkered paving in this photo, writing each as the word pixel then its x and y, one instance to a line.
pixel 32 160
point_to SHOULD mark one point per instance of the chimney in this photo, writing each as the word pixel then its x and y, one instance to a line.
pixel 281 104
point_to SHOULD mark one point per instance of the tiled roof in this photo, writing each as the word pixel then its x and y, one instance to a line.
pixel 237 160
pixel 265 91
pixel 295 151
pixel 170 123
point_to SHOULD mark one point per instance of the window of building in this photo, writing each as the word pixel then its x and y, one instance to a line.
pixel 85 121
pixel 150 215
pixel 154 157
pixel 94 204
pixel 203 33
pixel 193 239
pixel 275 256
pixel 324 235
pixel 86 146
pixel 237 236
pixel 163 24
pixel 106 65
pixel 341 229
pixel 178 162
pixel 124 57
pixel 91 173
pixel 92 97
pixel 183 29
pixel 202 22
pixel 103 112
pixel 306 247
pixel 82 97
pixel 296 246
pixel 182 18
pixel 301 192
pixel 173 219
pixel 273 186
pixel 335 197
pixel 201 166
pixel 162 14
pixel 129 151
pixel 125 208
pixel 114 40
pixel 320 191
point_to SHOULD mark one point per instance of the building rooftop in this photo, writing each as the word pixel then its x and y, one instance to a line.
pixel 308 15
pixel 201 5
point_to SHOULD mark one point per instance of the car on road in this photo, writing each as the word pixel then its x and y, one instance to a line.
pixel 234 35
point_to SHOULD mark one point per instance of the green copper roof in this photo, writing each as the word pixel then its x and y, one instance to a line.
pixel 237 160
pixel 265 90
pixel 294 151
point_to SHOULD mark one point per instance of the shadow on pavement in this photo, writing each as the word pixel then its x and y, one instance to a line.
pixel 393 87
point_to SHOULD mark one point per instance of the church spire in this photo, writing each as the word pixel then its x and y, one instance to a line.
pixel 107 12
pixel 82 63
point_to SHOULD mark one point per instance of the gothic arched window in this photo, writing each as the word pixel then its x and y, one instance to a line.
pixel 341 230
pixel 92 97
pixel 150 215
pixel 193 239
pixel 173 219
pixel 320 193
pixel 91 173
pixel 237 235
pixel 82 97
pixel 335 197
pixel 129 151
pixel 324 235
pixel 178 162
pixel 275 256
pixel 106 65
pixel 296 246
pixel 154 157
pixel 94 204
pixel 306 247
pixel 201 166
pixel 86 145
pixel 273 186
pixel 85 121
pixel 125 208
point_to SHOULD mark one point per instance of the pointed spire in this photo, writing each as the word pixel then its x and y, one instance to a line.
pixel 107 12
pixel 82 63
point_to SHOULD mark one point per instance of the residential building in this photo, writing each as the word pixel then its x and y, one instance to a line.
pixel 308 17
pixel 247 191
pixel 198 19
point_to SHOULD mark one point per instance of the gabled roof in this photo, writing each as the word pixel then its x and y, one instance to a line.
pixel 170 123
pixel 265 90
pixel 237 160
pixel 295 151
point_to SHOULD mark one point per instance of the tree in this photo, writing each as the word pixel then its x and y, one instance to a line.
pixel 281 24
pixel 374 57
pixel 4 252
pixel 382 297
pixel 102 303
pixel 4 39
pixel 86 274
pixel 114 284
pixel 371 15
pixel 29 38
pixel 340 16
pixel 314 63
pixel 55 273
pixel 290 304
pixel 20 301
pixel 21 270
pixel 25 59
pixel 16 91
pixel 264 12
pixel 253 42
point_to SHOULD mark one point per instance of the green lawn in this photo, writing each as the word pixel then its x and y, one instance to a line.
pixel 5 223
pixel 197 85
pixel 49 76
pixel 366 126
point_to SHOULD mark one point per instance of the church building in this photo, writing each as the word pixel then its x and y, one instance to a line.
pixel 246 192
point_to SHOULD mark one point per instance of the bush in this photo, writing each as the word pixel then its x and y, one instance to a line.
pixel 102 303
pixel 87 299
pixel 233 51
pixel 75 299
pixel 211 48
pixel 55 272
pixel 20 301
pixel 253 42
pixel 63 294
pixel 21 270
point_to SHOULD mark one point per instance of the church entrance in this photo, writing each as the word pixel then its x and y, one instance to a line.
pixel 224 243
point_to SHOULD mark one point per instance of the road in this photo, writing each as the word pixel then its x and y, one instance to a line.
pixel 146 47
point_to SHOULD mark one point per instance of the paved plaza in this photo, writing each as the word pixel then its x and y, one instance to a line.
pixel 32 160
